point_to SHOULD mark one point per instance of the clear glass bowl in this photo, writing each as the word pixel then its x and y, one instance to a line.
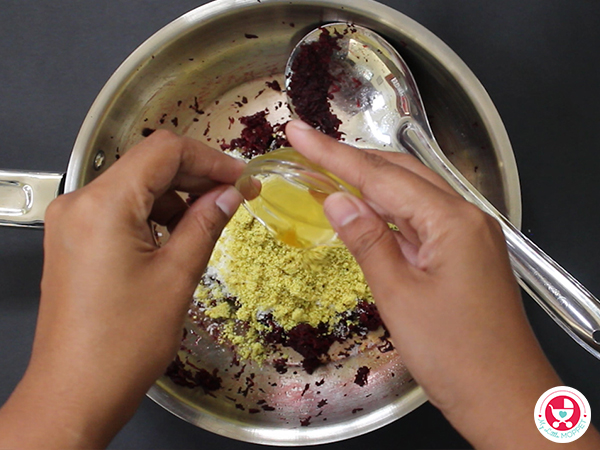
pixel 285 192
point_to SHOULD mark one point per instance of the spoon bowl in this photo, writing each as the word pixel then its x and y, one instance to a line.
pixel 379 104
pixel 369 73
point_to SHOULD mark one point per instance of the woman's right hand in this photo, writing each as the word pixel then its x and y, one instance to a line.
pixel 445 290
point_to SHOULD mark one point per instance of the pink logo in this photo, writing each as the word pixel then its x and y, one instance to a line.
pixel 562 414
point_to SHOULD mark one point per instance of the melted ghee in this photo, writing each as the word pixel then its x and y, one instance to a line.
pixel 286 192
pixel 293 212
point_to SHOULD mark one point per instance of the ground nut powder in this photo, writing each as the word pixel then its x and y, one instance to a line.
pixel 251 276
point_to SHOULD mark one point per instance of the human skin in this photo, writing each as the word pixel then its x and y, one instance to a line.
pixel 445 290
pixel 113 304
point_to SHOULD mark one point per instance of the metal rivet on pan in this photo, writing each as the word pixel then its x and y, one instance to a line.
pixel 99 160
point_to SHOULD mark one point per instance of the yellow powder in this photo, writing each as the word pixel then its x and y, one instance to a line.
pixel 266 276
pixel 222 310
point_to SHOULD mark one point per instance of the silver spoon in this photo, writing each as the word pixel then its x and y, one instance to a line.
pixel 379 102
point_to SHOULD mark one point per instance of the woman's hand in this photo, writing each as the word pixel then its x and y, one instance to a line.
pixel 445 290
pixel 113 303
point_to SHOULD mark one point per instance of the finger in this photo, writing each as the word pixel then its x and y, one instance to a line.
pixel 390 189
pixel 409 249
pixel 148 169
pixel 414 165
pixel 249 187
pixel 410 237
pixel 168 210
pixel 192 184
pixel 190 245
pixel 372 243
pixel 410 241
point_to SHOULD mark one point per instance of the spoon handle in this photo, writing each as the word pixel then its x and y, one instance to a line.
pixel 569 303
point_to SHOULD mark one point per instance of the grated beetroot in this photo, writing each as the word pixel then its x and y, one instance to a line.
pixel 182 376
pixel 364 318
pixel 274 85
pixel 368 316
pixel 313 343
pixel 305 422
pixel 312 85
pixel 362 375
pixel 386 345
pixel 280 365
pixel 258 136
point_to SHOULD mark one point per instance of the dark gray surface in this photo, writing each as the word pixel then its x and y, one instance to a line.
pixel 537 59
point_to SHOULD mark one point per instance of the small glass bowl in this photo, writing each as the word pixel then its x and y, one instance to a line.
pixel 285 192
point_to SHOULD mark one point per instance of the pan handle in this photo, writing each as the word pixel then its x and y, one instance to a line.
pixel 24 196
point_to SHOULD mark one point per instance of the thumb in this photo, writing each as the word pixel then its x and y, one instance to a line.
pixel 368 237
pixel 192 242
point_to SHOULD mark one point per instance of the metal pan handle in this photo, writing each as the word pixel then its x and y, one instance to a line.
pixel 24 196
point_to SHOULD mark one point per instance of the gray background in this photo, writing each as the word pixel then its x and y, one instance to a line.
pixel 537 59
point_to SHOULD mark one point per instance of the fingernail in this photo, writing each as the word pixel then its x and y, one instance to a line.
pixel 229 201
pixel 301 125
pixel 341 209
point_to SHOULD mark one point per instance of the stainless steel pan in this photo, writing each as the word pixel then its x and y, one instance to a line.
pixel 217 52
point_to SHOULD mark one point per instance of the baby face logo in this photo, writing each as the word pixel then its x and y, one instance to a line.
pixel 562 414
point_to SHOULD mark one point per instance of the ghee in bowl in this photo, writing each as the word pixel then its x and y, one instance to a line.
pixel 285 192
